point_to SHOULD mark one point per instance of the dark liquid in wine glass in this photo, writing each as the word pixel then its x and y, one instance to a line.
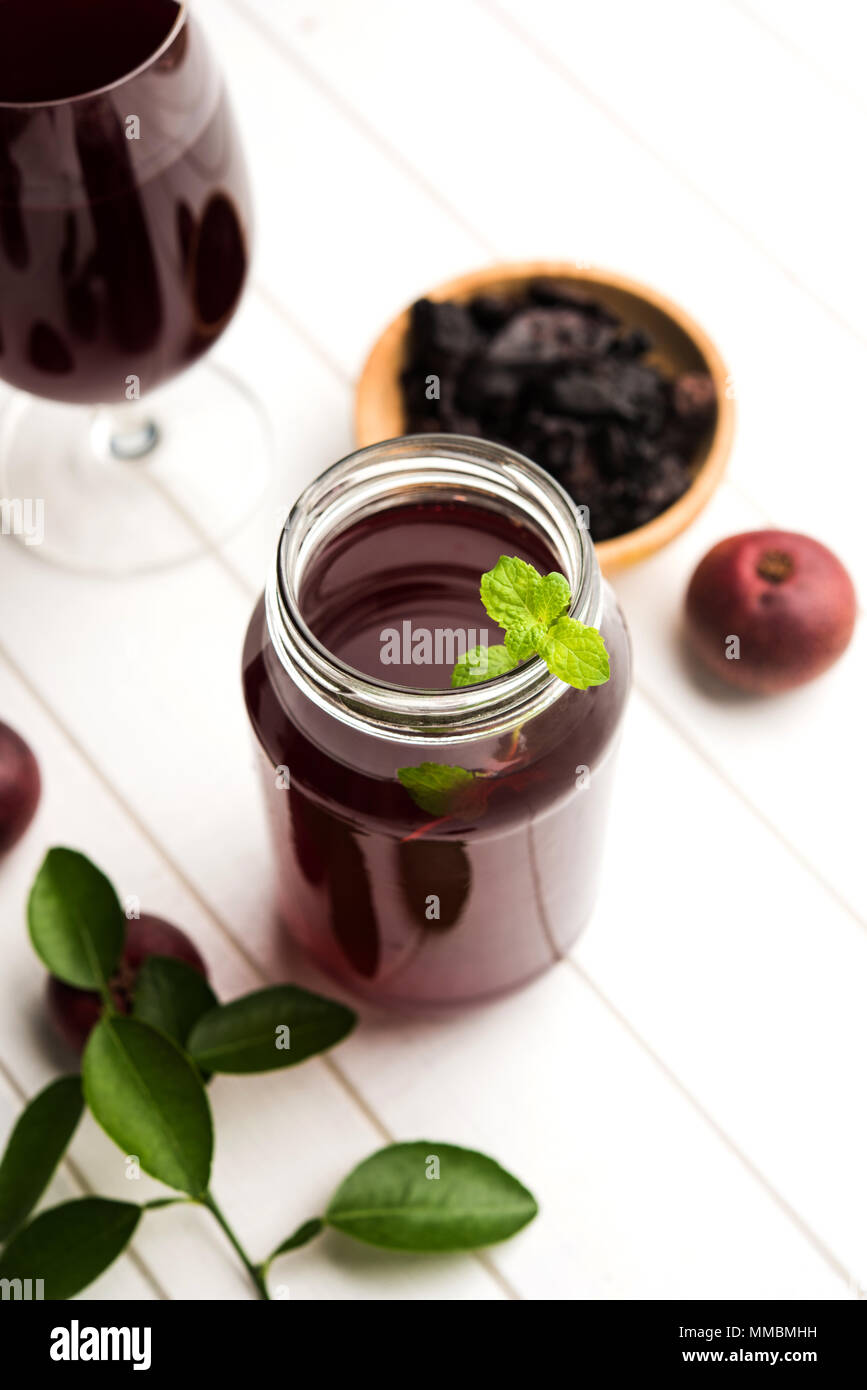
pixel 124 207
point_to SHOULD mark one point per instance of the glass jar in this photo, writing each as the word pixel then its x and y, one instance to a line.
pixel 427 904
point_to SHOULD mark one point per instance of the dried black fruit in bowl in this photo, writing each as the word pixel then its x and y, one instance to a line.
pixel 541 337
pixel 491 311
pixel 444 330
pixel 553 373
pixel 564 294
pixel 694 398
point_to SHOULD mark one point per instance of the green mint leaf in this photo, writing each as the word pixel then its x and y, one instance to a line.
pixel 75 920
pixel 36 1146
pixel 516 595
pixel 305 1233
pixel 71 1245
pixel 553 599
pixel 510 592
pixel 149 1099
pixel 437 788
pixel 522 642
pixel 171 996
pixel 267 1030
pixel 575 653
pixel 482 664
pixel 426 1196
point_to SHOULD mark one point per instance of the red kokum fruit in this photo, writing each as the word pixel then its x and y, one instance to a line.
pixel 769 610
pixel 75 1011
pixel 19 787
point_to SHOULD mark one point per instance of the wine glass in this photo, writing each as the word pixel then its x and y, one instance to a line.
pixel 125 229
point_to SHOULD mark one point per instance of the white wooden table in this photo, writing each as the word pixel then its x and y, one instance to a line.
pixel 686 1094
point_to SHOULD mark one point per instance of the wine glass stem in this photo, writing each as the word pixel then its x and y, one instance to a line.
pixel 128 433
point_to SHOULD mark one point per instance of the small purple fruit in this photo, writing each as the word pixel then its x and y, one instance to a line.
pixel 74 1012
pixel 769 610
pixel 20 786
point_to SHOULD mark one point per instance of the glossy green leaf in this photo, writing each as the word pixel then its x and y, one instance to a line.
pixel 273 1028
pixel 36 1146
pixel 171 996
pixel 149 1099
pixel 69 1246
pixel 511 593
pixel 305 1233
pixel 75 919
pixel 426 1196
pixel 482 664
pixel 523 642
pixel 575 653
pixel 438 788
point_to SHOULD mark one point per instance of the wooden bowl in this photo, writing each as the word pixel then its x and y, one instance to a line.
pixel 680 345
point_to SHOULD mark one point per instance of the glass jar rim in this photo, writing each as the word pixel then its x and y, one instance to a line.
pixel 372 479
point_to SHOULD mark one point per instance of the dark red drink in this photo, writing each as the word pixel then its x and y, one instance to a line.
pixel 412 571
pixel 411 904
pixel 124 208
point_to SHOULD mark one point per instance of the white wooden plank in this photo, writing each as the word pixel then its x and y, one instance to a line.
pixel 736 114
pixel 741 974
pixel 831 42
pixel 639 1199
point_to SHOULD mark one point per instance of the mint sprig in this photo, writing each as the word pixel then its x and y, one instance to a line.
pixel 517 597
pixel 533 609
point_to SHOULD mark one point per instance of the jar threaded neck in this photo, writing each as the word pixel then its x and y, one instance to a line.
pixel 421 468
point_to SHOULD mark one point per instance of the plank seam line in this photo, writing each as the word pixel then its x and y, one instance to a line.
pixel 710 763
pixel 794 49
pixel 752 1168
pixel 275 40
pixel 481 1256
pixel 318 350
pixel 552 62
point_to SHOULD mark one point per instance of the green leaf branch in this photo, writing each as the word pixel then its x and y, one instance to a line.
pixel 144 1080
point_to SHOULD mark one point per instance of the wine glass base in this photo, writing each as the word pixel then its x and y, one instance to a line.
pixel 187 475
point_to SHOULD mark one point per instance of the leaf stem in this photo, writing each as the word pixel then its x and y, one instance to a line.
pixel 255 1271
pixel 307 1231
pixel 423 829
